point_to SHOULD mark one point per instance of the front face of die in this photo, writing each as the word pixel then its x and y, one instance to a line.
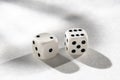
pixel 76 41
pixel 45 46
pixel 50 49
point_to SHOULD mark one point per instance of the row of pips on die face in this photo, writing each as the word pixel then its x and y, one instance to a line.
pixel 45 45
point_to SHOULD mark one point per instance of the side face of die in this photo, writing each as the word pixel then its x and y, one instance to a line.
pixel 45 46
pixel 76 41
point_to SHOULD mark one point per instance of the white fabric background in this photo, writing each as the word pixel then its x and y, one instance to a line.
pixel 20 20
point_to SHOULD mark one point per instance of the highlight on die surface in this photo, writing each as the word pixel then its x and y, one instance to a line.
pixel 76 41
pixel 45 46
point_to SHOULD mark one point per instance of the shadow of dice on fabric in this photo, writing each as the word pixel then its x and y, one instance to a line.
pixel 76 41
pixel 45 46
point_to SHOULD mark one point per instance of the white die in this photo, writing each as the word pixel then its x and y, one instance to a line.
pixel 76 41
pixel 45 46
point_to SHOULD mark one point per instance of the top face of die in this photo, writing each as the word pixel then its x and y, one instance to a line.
pixel 75 32
pixel 45 37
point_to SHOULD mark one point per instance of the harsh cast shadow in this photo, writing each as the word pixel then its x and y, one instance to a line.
pixel 62 64
pixel 95 59
pixel 9 51
pixel 25 65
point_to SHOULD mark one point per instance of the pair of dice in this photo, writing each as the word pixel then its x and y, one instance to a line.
pixel 45 45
